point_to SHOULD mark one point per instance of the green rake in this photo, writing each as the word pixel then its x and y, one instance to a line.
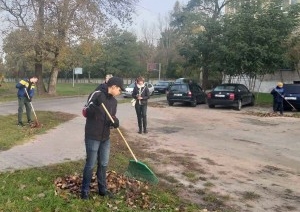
pixel 136 169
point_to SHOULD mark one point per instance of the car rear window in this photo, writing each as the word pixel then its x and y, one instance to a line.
pixel 179 87
pixel 292 89
pixel 225 88
pixel 163 83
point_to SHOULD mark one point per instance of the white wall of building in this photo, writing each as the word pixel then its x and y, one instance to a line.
pixel 268 82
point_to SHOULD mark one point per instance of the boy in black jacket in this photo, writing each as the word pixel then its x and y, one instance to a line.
pixel 97 132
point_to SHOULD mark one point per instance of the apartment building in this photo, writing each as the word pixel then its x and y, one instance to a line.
pixel 233 6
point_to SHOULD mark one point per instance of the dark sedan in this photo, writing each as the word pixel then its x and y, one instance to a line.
pixel 291 96
pixel 236 95
pixel 162 87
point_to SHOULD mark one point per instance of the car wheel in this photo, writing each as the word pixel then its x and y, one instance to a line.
pixel 239 104
pixel 194 103
pixel 211 106
pixel 170 103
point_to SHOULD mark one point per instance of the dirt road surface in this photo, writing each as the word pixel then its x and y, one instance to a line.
pixel 220 158
pixel 225 157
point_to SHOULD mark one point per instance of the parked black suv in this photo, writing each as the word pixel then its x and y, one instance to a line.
pixel 162 86
pixel 186 92
pixel 291 96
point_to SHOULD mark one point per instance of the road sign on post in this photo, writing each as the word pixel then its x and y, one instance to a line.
pixel 76 71
pixel 154 67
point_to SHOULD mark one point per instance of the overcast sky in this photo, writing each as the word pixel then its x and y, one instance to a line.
pixel 148 12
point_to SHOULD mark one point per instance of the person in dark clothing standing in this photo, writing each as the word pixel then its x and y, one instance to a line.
pixel 141 94
pixel 278 95
pixel 104 85
pixel 97 135
pixel 23 86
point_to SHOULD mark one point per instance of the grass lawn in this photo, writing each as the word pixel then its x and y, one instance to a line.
pixel 263 99
pixel 12 135
pixel 34 189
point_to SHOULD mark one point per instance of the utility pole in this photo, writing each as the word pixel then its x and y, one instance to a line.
pixel 159 69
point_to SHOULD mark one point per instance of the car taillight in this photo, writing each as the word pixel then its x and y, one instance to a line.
pixel 231 96
pixel 209 95
pixel 189 94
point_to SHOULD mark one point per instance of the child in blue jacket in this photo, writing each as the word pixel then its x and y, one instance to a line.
pixel 25 93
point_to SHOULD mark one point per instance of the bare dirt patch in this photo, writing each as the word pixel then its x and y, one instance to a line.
pixel 224 159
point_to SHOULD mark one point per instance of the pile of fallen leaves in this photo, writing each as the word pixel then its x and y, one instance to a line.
pixel 271 114
pixel 133 192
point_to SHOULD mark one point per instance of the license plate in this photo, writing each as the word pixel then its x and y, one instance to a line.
pixel 290 98
pixel 177 94
pixel 219 95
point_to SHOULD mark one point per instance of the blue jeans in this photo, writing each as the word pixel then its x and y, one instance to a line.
pixel 95 151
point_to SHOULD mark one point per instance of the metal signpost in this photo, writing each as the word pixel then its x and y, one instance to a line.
pixel 154 67
pixel 76 71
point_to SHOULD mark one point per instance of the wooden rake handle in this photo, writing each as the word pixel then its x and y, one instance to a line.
pixel 112 120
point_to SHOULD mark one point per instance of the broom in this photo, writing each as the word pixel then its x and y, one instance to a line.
pixel 36 123
pixel 136 169
pixel 294 109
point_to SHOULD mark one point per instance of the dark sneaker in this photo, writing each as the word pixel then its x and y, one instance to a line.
pixel 84 195
pixel 21 124
pixel 145 131
pixel 107 194
pixel 30 122
pixel 140 132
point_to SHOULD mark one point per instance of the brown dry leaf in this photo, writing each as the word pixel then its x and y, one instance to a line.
pixel 136 192
pixel 22 186
pixel 41 195
pixel 27 198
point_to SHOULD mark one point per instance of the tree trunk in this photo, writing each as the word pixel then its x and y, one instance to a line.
pixel 205 73
pixel 39 74
pixel 38 50
pixel 53 80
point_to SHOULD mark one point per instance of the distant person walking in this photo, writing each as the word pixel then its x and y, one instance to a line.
pixel 278 95
pixel 25 85
pixel 103 85
pixel 141 94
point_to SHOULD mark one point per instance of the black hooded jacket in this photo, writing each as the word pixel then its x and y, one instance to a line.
pixel 97 126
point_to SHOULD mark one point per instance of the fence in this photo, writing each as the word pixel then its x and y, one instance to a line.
pixel 126 81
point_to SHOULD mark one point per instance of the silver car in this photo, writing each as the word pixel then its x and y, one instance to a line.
pixel 129 89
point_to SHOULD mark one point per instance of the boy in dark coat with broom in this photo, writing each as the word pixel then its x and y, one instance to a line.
pixel 97 135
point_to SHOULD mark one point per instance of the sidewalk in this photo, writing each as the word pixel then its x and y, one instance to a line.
pixel 64 143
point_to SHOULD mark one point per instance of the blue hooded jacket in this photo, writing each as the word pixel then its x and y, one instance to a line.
pixel 278 94
pixel 25 84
